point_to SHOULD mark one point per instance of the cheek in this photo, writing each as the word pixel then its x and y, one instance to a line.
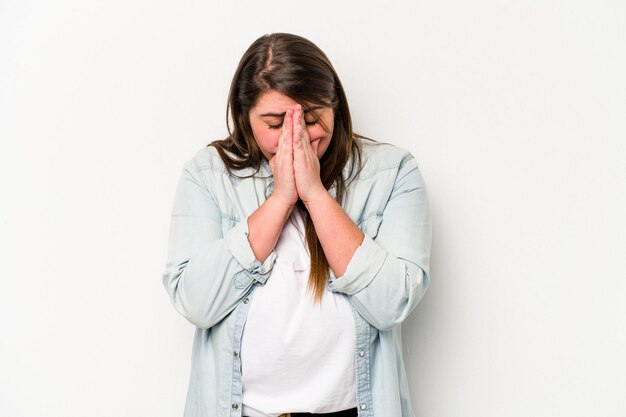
pixel 318 132
pixel 268 141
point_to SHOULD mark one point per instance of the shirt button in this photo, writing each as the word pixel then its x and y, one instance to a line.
pixel 363 406
pixel 235 354
pixel 235 406
pixel 246 300
pixel 362 353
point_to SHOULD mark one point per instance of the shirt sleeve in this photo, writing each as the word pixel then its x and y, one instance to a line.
pixel 207 272
pixel 388 274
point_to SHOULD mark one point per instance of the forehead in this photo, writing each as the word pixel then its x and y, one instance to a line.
pixel 273 102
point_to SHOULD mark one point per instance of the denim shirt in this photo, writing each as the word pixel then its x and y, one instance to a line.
pixel 211 273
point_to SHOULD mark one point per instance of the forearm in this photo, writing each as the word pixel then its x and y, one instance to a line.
pixel 383 287
pixel 336 231
pixel 265 225
pixel 208 270
pixel 389 272
pixel 207 285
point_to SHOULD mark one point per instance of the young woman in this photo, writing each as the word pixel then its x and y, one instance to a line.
pixel 297 248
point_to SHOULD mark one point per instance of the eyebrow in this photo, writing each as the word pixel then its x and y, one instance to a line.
pixel 283 114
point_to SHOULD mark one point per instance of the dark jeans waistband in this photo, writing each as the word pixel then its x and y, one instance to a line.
pixel 352 412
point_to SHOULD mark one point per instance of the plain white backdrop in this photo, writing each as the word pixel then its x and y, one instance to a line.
pixel 515 111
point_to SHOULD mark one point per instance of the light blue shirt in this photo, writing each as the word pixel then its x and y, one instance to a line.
pixel 211 273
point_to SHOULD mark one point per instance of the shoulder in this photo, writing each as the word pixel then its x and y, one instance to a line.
pixel 387 171
pixel 381 156
pixel 208 160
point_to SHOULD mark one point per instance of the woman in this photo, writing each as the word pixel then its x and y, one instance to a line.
pixel 297 248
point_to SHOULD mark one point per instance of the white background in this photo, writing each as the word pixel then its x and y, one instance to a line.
pixel 515 111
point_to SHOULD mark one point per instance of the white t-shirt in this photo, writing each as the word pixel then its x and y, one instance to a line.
pixel 296 356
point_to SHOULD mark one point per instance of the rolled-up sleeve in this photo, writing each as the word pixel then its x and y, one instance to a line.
pixel 388 274
pixel 207 272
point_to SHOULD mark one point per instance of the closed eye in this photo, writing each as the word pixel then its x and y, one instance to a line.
pixel 278 126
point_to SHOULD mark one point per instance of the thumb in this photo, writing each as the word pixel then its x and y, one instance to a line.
pixel 271 164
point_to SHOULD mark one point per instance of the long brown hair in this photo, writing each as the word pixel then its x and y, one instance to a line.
pixel 297 68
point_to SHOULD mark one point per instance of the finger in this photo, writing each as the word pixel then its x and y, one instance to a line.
pixel 297 126
pixel 288 124
pixel 271 163
pixel 306 140
pixel 281 140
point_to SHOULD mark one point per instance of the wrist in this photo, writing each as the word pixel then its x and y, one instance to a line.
pixel 319 195
pixel 280 205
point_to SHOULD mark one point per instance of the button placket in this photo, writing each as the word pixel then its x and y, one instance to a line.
pixel 236 388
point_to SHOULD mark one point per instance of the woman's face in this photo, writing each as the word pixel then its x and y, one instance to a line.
pixel 266 120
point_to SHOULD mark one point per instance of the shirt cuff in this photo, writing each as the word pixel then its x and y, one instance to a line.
pixel 363 267
pixel 239 246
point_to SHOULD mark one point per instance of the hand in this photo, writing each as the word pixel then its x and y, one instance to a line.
pixel 281 165
pixel 306 165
